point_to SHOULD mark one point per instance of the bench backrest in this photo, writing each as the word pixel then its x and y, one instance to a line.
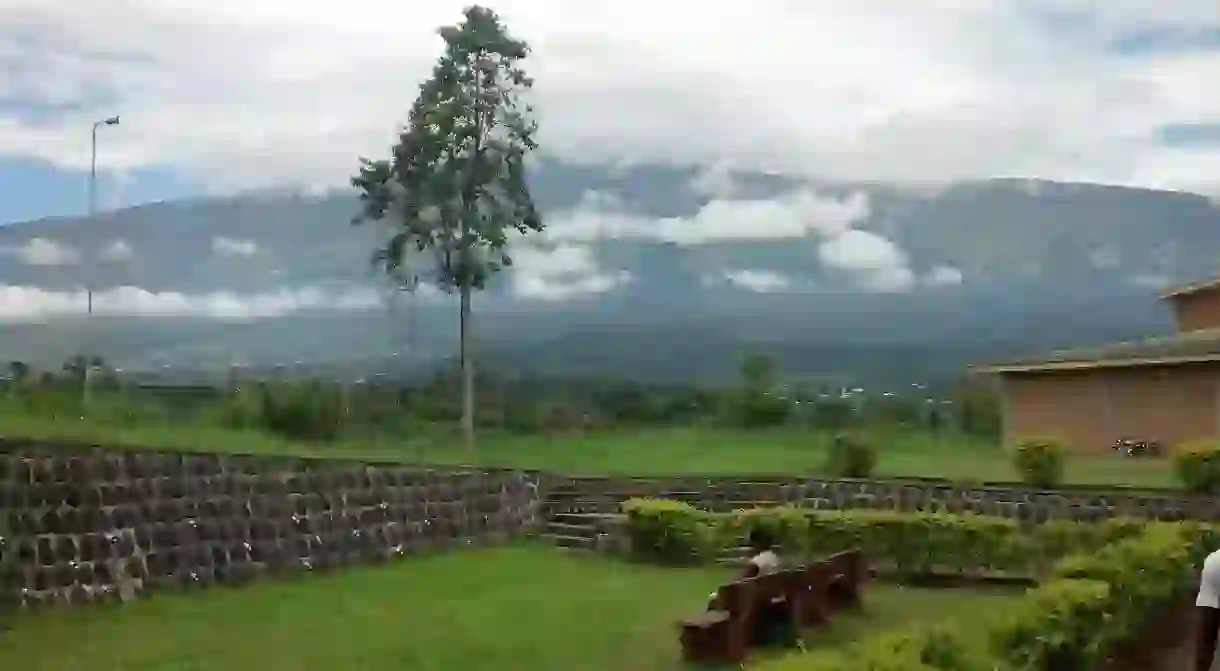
pixel 843 570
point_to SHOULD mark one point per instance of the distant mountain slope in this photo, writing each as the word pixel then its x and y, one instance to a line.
pixel 992 268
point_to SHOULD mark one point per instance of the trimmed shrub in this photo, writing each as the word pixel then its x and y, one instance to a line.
pixel 1055 539
pixel 671 532
pixel 1093 602
pixel 1063 624
pixel 910 543
pixel 920 648
pixel 850 456
pixel 1197 465
pixel 1039 461
pixel 1100 598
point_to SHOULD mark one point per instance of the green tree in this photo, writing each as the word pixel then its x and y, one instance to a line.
pixel 456 184
pixel 760 373
pixel 77 365
pixel 19 371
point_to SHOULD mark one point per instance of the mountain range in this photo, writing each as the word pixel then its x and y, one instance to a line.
pixel 648 272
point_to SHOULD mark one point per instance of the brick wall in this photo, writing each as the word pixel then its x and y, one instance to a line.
pixel 85 525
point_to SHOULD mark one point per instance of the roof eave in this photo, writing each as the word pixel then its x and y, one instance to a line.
pixel 1050 366
pixel 1187 289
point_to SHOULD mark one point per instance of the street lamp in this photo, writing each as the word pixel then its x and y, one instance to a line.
pixel 109 121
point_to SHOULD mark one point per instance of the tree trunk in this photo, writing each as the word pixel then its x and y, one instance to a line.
pixel 467 364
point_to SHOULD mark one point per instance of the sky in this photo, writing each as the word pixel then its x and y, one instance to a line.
pixel 229 95
pixel 223 96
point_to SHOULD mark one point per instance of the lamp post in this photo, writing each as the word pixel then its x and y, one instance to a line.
pixel 109 121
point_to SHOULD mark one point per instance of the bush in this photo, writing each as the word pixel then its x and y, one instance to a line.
pixel 910 543
pixel 1197 465
pixel 1040 461
pixel 1063 624
pixel 1094 601
pixel 761 410
pixel 671 532
pixel 1151 570
pixel 850 457
pixel 1055 539
pixel 921 648
pixel 303 412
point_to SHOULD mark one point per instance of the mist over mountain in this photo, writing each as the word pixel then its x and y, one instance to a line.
pixel 655 273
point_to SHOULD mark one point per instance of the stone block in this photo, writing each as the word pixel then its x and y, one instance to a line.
pixel 144 537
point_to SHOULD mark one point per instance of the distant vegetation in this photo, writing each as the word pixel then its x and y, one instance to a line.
pixel 323 411
pixel 762 424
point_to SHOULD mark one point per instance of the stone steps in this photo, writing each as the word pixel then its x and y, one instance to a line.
pixel 571 542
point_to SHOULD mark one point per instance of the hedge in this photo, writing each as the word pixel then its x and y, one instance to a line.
pixel 672 531
pixel 1092 602
pixel 921 648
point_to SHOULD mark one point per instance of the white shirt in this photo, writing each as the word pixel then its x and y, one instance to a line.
pixel 768 562
pixel 1209 582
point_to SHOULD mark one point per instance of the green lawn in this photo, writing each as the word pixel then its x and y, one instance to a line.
pixel 530 608
pixel 683 450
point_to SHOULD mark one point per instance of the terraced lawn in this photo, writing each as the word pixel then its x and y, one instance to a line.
pixel 697 450
pixel 524 607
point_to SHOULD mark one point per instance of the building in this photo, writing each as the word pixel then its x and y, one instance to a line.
pixel 1165 388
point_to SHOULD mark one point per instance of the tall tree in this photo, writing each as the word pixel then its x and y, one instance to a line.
pixel 760 372
pixel 456 185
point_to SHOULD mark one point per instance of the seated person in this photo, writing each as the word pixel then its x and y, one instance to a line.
pixel 763 559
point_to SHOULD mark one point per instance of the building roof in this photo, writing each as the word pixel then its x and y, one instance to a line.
pixel 1190 288
pixel 1178 348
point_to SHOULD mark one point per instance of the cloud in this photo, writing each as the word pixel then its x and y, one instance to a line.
pixel 239 95
pixel 1104 257
pixel 714 181
pixel 34 304
pixel 234 247
pixel 561 273
pixel 874 261
pixel 118 251
pixel 758 281
pixel 44 252
pixel 1149 281
pixel 943 276
pixel 794 215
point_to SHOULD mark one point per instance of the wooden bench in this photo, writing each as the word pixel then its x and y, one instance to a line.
pixel 808 597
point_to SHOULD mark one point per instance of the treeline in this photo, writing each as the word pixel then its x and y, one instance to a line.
pixel 324 410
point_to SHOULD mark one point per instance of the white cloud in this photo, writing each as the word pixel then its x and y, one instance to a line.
pixel 118 251
pixel 234 247
pixel 1149 281
pixel 759 281
pixel 34 304
pixel 794 215
pixel 243 94
pixel 44 252
pixel 714 181
pixel 873 260
pixel 943 276
pixel 563 273
pixel 1104 257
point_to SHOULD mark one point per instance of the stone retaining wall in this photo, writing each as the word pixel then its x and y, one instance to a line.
pixel 100 525
pixel 603 495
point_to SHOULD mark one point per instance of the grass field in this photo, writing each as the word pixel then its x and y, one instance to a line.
pixel 527 608
pixel 680 450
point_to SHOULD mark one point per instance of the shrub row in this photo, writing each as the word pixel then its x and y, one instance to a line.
pixel 1091 603
pixel 1040 463
pixel 670 532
